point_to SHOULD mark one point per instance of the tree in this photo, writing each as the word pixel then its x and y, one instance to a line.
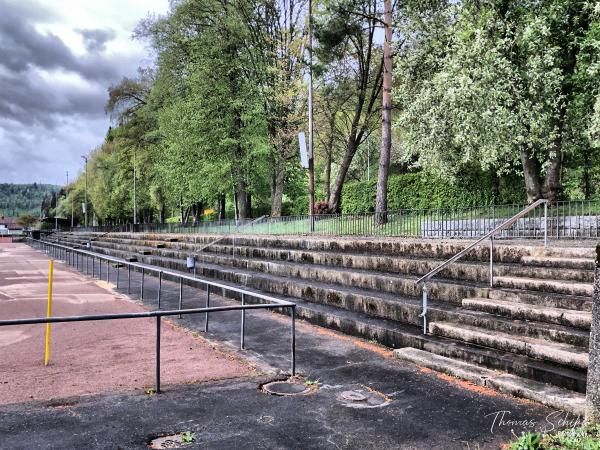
pixel 27 220
pixel 498 88
pixel 386 120
pixel 346 36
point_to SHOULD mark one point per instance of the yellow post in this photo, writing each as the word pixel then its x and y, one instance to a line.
pixel 49 313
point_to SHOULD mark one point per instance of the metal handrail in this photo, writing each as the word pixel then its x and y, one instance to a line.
pixel 219 239
pixel 273 303
pixel 167 272
pixel 490 235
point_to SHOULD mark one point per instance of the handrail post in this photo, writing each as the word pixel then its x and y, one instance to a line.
pixel 180 294
pixel 293 331
pixel 243 324
pixel 157 354
pixel 208 306
pixel 159 287
pixel 491 275
pixel 424 311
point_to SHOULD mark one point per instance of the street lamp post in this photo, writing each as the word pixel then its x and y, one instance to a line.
pixel 134 191
pixel 311 161
pixel 85 202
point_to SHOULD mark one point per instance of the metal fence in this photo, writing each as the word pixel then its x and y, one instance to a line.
pixel 566 219
pixel 80 259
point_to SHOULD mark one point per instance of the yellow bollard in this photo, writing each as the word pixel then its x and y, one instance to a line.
pixel 49 313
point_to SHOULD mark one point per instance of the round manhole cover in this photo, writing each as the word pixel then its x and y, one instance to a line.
pixel 177 440
pixel 363 397
pixel 353 396
pixel 286 388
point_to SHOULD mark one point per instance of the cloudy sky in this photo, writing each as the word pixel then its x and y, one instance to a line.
pixel 57 59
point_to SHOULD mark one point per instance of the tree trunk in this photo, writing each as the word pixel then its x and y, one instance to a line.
pixel 336 191
pixel 386 120
pixel 531 174
pixel 551 187
pixel 277 189
pixel 241 195
pixel 587 188
pixel 327 175
pixel 181 213
pixel 222 207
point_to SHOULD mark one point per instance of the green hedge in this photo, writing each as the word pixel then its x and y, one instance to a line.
pixel 418 191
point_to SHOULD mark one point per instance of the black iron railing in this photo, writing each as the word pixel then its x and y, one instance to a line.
pixel 80 260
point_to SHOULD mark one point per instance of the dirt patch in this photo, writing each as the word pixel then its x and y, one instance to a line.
pixel 90 357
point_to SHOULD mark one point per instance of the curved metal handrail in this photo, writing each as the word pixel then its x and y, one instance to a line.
pixel 490 235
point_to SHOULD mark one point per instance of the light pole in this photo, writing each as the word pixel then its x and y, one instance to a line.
pixel 311 161
pixel 134 191
pixel 85 202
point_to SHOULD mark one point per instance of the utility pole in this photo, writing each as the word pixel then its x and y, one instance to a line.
pixel 311 161
pixel 85 202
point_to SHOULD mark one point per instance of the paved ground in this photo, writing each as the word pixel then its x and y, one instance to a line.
pixel 425 410
pixel 87 357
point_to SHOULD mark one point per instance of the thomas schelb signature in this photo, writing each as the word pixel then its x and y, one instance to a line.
pixel 553 421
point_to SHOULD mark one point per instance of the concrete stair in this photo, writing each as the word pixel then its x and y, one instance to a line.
pixel 534 324
pixel 546 394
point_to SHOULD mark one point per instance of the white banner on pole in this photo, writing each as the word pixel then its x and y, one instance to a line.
pixel 303 152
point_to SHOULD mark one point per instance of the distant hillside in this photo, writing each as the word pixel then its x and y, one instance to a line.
pixel 17 199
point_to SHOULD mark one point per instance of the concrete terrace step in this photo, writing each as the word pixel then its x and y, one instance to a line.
pixel 367 314
pixel 413 263
pixel 396 335
pixel 464 270
pixel 359 276
pixel 540 298
pixel 387 305
pixel 560 287
pixel 563 354
pixel 517 310
pixel 552 396
pixel 375 245
pixel 553 261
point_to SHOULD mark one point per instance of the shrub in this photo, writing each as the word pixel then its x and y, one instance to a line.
pixel 418 191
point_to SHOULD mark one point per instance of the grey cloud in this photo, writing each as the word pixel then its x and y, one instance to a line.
pixel 48 118
pixel 27 98
pixel 95 40
pixel 23 47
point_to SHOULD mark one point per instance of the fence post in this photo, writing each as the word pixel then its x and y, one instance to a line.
pixel 157 354
pixel 243 325
pixel 208 306
pixel 491 276
pixel 49 311
pixel 159 287
pixel 180 295
pixel 293 331
pixel 424 305
pixel 546 224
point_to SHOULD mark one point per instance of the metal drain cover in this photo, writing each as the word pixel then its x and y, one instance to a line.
pixel 171 441
pixel 363 397
pixel 286 388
